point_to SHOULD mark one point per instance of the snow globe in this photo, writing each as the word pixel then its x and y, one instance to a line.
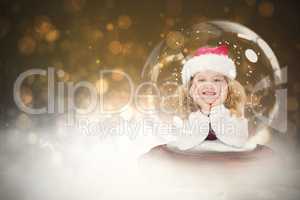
pixel 232 53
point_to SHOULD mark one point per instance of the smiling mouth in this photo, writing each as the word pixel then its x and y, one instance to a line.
pixel 209 93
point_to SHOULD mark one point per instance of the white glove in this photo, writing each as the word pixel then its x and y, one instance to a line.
pixel 229 129
pixel 191 132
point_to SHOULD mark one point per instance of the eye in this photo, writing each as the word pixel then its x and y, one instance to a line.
pixel 218 79
pixel 201 80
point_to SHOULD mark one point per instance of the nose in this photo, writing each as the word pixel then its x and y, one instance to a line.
pixel 209 86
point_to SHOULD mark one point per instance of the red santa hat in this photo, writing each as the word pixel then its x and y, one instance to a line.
pixel 209 58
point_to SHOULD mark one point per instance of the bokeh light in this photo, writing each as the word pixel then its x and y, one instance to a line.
pixel 102 86
pixel 52 36
pixel 27 45
pixel 266 8
pixel 110 27
pixel 124 22
pixel 115 47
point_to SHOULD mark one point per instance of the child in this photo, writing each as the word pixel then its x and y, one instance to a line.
pixel 214 100
pixel 212 146
pixel 214 107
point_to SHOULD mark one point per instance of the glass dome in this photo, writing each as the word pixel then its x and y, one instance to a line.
pixel 257 67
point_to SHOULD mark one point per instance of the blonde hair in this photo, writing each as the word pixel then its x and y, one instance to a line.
pixel 235 100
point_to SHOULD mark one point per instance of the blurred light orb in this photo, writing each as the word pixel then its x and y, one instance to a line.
pixel 257 66
pixel 42 25
pixel 27 45
pixel 124 22
pixel 98 61
pixel 67 77
pixel 115 47
pixel 266 9
pixel 102 86
pixel 52 36
pixel 60 74
pixel 110 27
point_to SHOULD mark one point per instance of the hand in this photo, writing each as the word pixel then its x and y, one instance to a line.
pixel 221 98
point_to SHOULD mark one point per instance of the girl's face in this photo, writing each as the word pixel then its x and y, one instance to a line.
pixel 209 87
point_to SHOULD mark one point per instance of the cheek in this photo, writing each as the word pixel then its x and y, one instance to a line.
pixel 198 87
pixel 223 92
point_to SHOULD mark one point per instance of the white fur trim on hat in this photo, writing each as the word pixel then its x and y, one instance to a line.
pixel 218 63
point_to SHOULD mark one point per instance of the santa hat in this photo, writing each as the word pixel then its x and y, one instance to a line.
pixel 207 58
